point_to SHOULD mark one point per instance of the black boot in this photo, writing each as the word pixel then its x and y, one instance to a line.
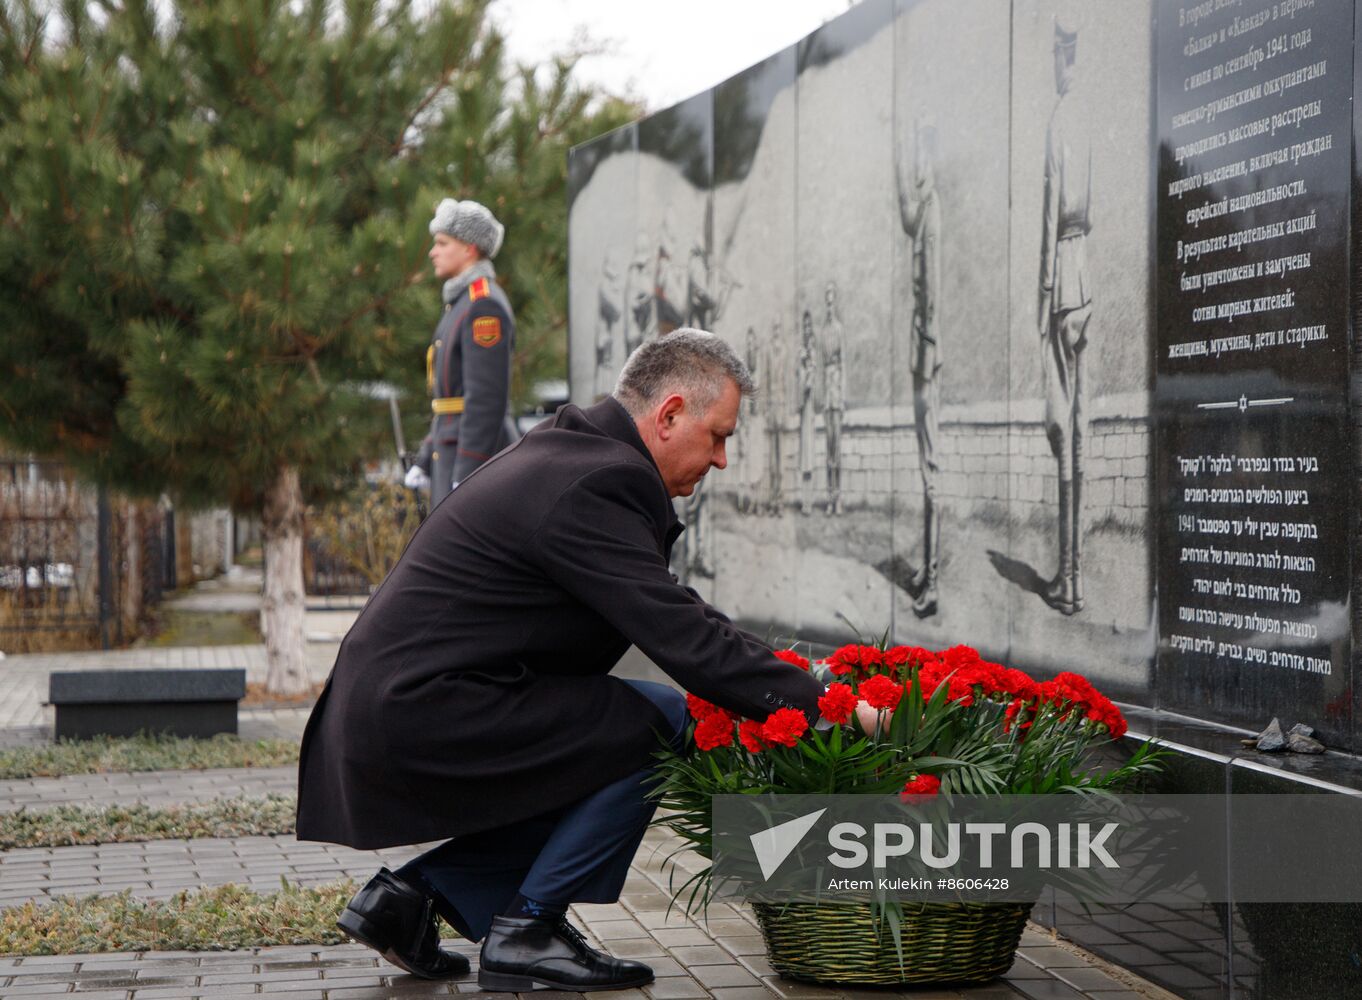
pixel 520 954
pixel 398 921
pixel 1078 532
pixel 917 583
pixel 924 603
pixel 1059 592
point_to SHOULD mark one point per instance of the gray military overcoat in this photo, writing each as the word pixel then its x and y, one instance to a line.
pixel 469 359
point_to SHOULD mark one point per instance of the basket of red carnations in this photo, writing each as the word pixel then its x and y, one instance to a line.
pixel 908 722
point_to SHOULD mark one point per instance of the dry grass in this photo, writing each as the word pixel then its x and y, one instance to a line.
pixel 258 696
pixel 71 825
pixel 42 628
pixel 144 753
pixel 226 917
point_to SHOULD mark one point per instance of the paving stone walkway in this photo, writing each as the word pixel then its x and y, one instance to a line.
pixel 722 958
pixel 352 972
pixel 160 868
pixel 147 787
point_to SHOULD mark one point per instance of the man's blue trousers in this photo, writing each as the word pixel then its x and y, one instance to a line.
pixel 577 854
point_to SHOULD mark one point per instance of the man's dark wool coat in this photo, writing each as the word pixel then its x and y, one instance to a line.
pixel 473 691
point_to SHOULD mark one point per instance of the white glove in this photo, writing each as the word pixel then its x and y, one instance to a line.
pixel 417 479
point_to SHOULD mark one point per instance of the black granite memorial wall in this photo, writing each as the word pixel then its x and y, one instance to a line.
pixel 1135 222
pixel 1051 305
pixel 1253 462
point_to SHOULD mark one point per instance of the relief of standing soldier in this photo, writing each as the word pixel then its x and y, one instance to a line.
pixel 807 402
pixel 1065 306
pixel 703 309
pixel 749 457
pixel 638 297
pixel 609 312
pixel 775 418
pixel 920 216
pixel 668 285
pixel 834 394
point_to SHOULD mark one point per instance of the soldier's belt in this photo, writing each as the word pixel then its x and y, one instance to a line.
pixel 447 404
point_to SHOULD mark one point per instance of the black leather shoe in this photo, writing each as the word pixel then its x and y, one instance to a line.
pixel 521 954
pixel 398 921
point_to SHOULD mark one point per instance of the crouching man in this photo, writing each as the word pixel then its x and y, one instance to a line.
pixel 471 703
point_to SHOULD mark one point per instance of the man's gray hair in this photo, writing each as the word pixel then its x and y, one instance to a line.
pixel 691 362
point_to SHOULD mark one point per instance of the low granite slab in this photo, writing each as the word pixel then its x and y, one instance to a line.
pixel 196 703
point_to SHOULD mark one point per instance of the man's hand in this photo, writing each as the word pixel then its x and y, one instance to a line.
pixel 867 717
pixel 416 479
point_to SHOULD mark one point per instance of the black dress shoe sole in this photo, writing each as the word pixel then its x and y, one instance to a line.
pixel 508 982
pixel 460 968
pixel 358 929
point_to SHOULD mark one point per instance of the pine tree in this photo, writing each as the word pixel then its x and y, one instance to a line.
pixel 213 236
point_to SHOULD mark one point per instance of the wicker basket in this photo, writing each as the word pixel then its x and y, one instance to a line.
pixel 841 942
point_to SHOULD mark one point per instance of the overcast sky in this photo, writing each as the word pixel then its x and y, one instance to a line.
pixel 661 53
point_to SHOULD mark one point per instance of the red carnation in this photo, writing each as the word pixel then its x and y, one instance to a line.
pixel 785 726
pixel 921 784
pixel 1070 690
pixel 838 703
pixel 966 679
pixel 790 656
pixel 959 656
pixel 858 659
pixel 715 730
pixel 1069 687
pixel 1018 684
pixel 903 659
pixel 897 656
pixel 1017 709
pixel 749 733
pixel 699 708
pixel 1107 714
pixel 930 675
pixel 880 692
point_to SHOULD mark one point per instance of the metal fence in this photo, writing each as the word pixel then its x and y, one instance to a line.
pixel 325 575
pixel 77 568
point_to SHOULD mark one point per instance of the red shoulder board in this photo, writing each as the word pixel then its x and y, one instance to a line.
pixel 478 290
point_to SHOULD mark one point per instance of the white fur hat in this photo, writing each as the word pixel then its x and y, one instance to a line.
pixel 470 222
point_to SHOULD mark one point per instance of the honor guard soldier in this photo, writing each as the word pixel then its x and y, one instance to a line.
pixel 468 363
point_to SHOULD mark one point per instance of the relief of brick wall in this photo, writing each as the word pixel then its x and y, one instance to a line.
pixel 985 457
